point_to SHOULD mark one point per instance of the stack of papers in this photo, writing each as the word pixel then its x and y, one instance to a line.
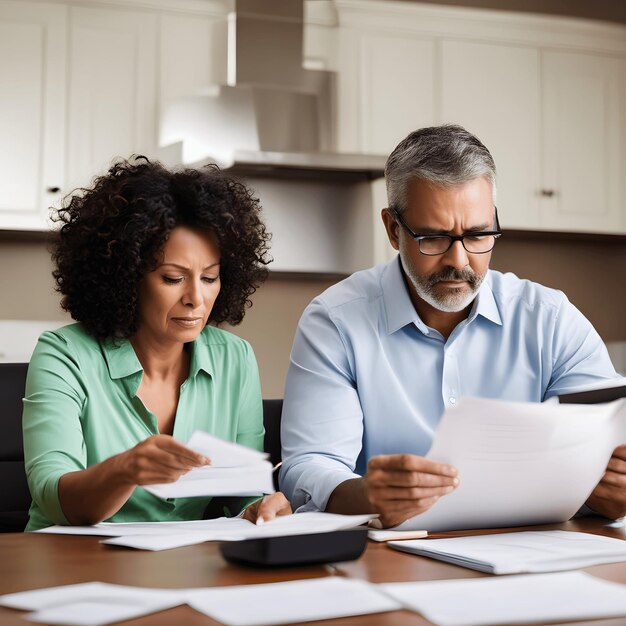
pixel 234 471
pixel 529 599
pixel 520 463
pixel 513 553
pixel 166 535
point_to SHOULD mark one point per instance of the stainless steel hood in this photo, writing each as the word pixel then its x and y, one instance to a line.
pixel 270 115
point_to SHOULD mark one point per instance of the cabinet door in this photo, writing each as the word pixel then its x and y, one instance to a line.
pixel 385 91
pixel 583 112
pixel 493 90
pixel 32 110
pixel 112 94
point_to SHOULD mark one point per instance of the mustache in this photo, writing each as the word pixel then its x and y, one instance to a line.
pixel 452 273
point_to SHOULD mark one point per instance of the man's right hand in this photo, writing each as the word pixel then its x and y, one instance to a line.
pixel 400 486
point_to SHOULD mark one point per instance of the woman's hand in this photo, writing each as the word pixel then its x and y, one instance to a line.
pixel 159 459
pixel 267 508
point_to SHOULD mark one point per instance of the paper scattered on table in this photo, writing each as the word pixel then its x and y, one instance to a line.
pixel 520 552
pixel 234 529
pixel 520 463
pixel 291 602
pixel 165 535
pixel 395 535
pixel 526 599
pixel 234 471
pixel 91 604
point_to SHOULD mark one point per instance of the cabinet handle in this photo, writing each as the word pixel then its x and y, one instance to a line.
pixel 53 189
pixel 548 193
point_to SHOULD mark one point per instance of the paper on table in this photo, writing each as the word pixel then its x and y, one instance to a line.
pixel 520 552
pixel 290 602
pixel 91 604
pixel 520 463
pixel 531 598
pixel 234 471
pixel 300 524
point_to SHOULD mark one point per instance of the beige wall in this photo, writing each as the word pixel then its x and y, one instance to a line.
pixel 593 274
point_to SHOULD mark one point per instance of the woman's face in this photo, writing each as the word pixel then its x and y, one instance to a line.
pixel 175 300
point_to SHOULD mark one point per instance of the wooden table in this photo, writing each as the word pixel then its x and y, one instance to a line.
pixel 30 561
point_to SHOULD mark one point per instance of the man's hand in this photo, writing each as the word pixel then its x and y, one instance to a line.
pixel 609 497
pixel 158 459
pixel 267 508
pixel 400 486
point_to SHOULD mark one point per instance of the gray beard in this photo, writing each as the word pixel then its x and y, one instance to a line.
pixel 451 302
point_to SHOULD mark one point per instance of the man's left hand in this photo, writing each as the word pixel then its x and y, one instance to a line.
pixel 609 497
pixel 267 508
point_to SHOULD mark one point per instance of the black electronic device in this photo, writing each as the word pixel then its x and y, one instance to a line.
pixel 594 396
pixel 329 547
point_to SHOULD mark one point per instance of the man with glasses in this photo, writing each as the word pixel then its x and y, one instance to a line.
pixel 378 357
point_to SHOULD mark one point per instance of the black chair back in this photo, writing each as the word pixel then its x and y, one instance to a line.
pixel 272 410
pixel 14 494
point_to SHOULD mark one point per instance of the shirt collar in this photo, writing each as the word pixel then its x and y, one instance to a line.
pixel 120 358
pixel 485 304
pixel 122 361
pixel 401 312
pixel 398 305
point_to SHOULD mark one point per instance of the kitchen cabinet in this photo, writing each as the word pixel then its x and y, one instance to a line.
pixel 112 89
pixel 32 111
pixel 493 91
pixel 547 95
pixel 584 154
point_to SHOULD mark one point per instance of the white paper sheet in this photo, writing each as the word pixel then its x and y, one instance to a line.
pixel 300 524
pixel 521 552
pixel 234 471
pixel 527 599
pixel 249 480
pixel 520 463
pixel 290 602
pixel 224 453
pixel 91 604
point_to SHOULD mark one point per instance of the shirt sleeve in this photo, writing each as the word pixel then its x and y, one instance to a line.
pixel 322 420
pixel 53 436
pixel 579 357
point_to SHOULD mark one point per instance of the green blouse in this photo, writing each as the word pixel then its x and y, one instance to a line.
pixel 81 407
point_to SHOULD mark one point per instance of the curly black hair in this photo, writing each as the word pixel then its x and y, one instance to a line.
pixel 113 232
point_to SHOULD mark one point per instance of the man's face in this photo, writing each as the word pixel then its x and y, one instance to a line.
pixel 448 282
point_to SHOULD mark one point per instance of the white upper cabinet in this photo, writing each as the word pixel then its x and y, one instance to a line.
pixel 493 90
pixel 32 111
pixel 112 89
pixel 546 95
pixel 584 114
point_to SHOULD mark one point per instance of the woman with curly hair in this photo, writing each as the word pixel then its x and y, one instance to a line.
pixel 148 261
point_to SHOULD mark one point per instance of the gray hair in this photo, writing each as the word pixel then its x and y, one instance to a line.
pixel 444 155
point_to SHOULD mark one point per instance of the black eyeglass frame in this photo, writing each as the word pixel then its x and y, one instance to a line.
pixel 451 238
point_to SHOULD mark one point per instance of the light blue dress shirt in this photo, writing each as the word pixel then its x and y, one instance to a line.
pixel 368 377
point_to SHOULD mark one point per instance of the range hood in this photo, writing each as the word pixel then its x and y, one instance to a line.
pixel 269 116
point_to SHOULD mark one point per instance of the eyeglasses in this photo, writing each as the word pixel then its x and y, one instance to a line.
pixel 432 245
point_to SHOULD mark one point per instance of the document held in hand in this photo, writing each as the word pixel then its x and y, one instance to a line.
pixel 520 463
pixel 234 471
